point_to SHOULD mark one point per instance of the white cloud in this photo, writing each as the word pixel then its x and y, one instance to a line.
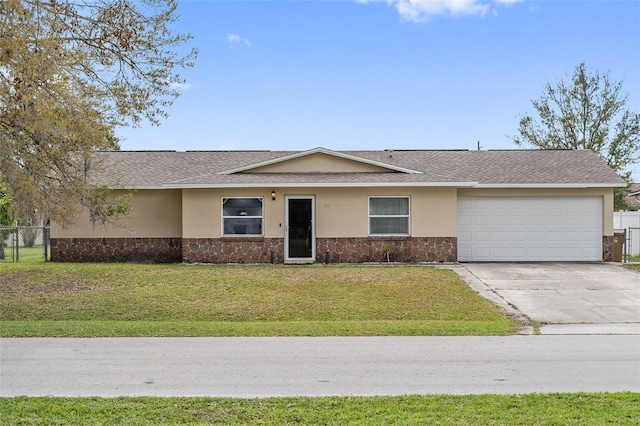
pixel 422 10
pixel 235 38
pixel 181 86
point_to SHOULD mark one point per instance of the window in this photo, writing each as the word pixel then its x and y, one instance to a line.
pixel 241 216
pixel 388 215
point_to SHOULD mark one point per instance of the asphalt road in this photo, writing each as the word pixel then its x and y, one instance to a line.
pixel 317 366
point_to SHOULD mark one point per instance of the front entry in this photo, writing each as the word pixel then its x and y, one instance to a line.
pixel 300 238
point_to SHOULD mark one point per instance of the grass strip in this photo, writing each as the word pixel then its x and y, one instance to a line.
pixel 264 328
pixel 528 409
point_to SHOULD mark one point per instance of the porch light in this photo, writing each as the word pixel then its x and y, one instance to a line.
pixel 273 195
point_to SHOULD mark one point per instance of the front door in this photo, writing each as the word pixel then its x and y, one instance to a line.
pixel 300 238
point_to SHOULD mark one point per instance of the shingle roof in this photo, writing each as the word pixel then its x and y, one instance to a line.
pixel 633 195
pixel 146 169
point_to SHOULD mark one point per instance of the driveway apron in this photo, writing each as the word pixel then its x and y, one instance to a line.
pixel 564 298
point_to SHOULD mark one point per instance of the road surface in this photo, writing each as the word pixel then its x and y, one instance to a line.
pixel 318 366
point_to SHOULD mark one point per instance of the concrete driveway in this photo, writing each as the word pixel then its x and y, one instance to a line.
pixel 565 298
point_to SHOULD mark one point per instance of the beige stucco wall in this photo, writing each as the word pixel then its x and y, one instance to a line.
pixel 202 211
pixel 605 193
pixel 340 212
pixel 318 163
pixel 156 213
pixel 343 212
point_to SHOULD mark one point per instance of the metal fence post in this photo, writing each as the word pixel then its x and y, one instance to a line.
pixel 16 243
pixel 45 242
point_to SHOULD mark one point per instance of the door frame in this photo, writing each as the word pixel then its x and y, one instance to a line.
pixel 287 258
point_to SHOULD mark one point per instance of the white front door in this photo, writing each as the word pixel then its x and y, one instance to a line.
pixel 300 236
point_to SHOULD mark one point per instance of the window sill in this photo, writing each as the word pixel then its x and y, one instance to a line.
pixel 231 238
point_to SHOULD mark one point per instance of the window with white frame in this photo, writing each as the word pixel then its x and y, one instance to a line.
pixel 388 215
pixel 242 216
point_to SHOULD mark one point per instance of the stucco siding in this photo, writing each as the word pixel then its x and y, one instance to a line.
pixel 344 212
pixel 156 214
pixel 200 213
pixel 340 212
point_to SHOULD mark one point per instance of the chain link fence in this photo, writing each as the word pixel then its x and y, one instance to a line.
pixel 24 244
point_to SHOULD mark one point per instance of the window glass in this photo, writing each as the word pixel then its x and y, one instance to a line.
pixel 389 215
pixel 242 216
pixel 389 206
pixel 389 225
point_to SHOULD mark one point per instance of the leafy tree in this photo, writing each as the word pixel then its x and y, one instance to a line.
pixel 70 72
pixel 588 112
pixel 5 218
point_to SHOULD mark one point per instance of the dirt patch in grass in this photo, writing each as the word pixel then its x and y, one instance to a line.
pixel 633 267
pixel 49 288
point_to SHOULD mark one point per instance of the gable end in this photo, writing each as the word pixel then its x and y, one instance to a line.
pixel 319 160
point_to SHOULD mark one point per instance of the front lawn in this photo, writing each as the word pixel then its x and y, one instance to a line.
pixel 530 409
pixel 81 299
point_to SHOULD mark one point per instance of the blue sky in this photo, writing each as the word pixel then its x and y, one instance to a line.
pixel 435 74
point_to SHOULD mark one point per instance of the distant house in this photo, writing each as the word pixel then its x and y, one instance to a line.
pixel 353 206
pixel 633 196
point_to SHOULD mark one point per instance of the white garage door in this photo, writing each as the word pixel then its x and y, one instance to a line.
pixel 529 229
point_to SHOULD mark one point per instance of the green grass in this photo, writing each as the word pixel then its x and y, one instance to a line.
pixel 80 299
pixel 529 409
pixel 636 266
pixel 25 254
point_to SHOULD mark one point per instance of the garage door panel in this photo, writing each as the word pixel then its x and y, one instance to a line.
pixel 556 220
pixel 519 253
pixel 529 228
pixel 573 237
pixel 554 236
pixel 499 220
pixel 534 236
pixel 482 236
pixel 517 220
pixel 499 236
pixel 590 221
pixel 518 236
pixel 465 219
pixel 482 220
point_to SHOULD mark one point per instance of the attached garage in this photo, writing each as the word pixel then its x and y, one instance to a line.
pixel 530 228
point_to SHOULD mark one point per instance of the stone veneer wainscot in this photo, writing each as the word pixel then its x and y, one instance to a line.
pixel 157 250
pixel 262 250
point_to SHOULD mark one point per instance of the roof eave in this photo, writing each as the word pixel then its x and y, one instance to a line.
pixel 550 185
pixel 369 185
pixel 319 184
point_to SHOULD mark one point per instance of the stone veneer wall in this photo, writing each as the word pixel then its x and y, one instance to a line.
pixel 262 250
pixel 608 247
pixel 233 250
pixel 251 250
pixel 400 249
pixel 160 250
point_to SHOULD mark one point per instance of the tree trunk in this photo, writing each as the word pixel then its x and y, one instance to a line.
pixel 29 236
